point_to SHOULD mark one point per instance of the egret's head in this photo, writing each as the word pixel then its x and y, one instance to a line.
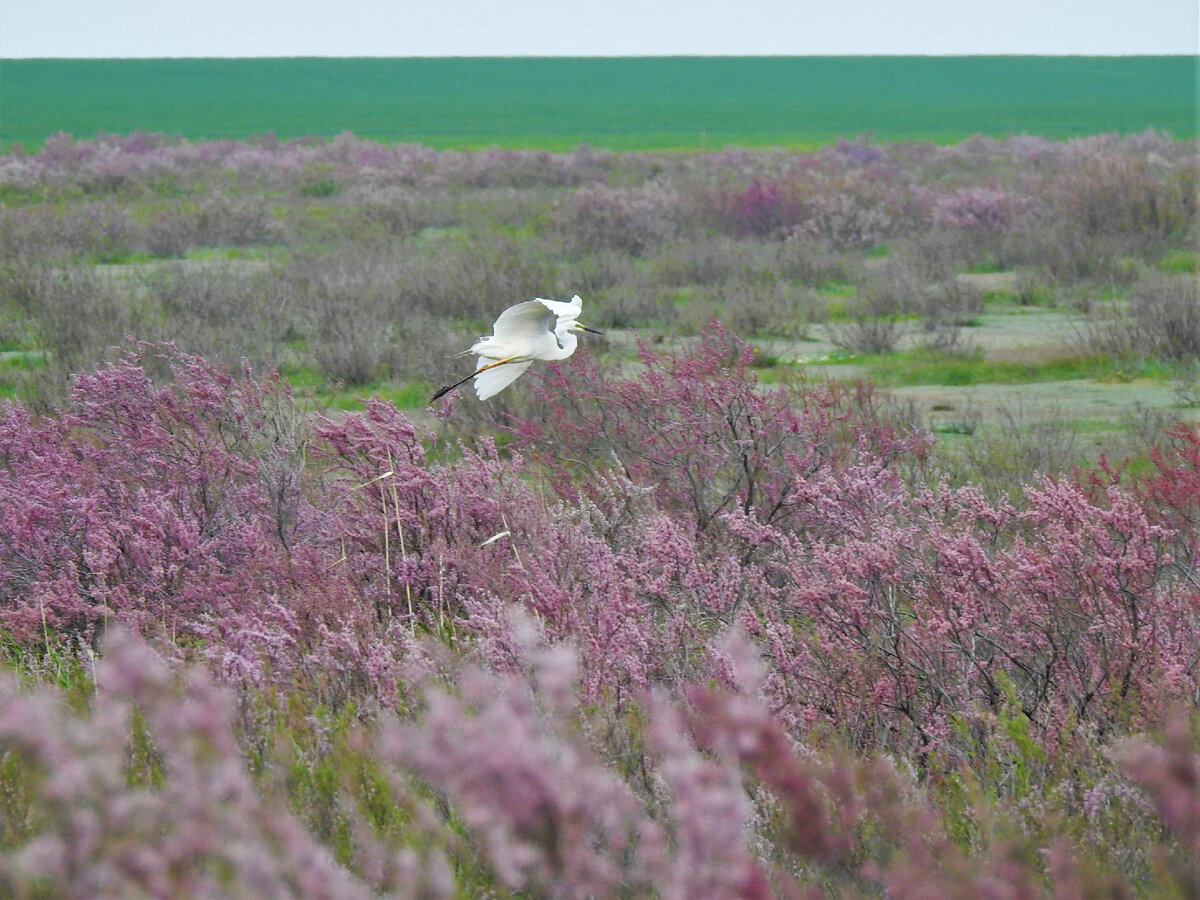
pixel 577 326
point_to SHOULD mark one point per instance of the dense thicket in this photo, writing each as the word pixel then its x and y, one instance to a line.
pixel 758 573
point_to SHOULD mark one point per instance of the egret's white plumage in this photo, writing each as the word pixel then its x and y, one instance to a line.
pixel 535 329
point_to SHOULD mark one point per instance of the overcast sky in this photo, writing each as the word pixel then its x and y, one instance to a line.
pixel 119 28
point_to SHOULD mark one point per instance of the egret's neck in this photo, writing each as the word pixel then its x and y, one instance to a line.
pixel 566 343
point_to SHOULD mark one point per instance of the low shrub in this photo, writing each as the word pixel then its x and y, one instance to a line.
pixel 628 220
pixel 1161 320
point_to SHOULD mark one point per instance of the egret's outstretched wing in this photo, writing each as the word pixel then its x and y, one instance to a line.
pixel 560 308
pixel 497 378
pixel 524 320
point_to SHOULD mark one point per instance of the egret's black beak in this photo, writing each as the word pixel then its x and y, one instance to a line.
pixel 585 328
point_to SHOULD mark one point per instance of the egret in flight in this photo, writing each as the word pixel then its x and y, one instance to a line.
pixel 535 329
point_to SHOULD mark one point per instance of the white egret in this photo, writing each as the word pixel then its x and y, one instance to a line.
pixel 535 329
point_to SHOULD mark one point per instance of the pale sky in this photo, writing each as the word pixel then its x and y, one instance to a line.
pixel 158 28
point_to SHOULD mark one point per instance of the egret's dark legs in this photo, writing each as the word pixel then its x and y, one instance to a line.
pixel 448 388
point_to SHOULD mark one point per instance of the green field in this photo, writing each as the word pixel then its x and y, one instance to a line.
pixel 615 103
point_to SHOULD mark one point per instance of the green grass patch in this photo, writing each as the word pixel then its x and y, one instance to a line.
pixel 346 401
pixel 763 361
pixel 413 395
pixel 1037 295
pixel 837 288
pixel 964 428
pixel 619 103
pixel 302 377
pixel 999 297
pixel 986 267
pixel 221 254
pixel 917 367
pixel 13 357
pixel 23 195
pixel 1180 262
pixel 310 384
pixel 325 187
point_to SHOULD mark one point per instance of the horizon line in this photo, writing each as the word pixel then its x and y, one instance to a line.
pixel 824 55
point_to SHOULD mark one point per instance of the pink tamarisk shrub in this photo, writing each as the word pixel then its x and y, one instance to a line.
pixel 142 502
pixel 632 221
pixel 179 511
pixel 204 512
pixel 761 208
pixel 178 818
pixel 928 608
pixel 446 547
pixel 829 810
pixel 552 818
pixel 978 208
pixel 719 800
pixel 888 612
pixel 695 427
pixel 416 537
pixel 144 791
pixel 1172 488
pixel 1091 589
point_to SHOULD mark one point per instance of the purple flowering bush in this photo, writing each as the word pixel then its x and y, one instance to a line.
pixel 976 208
pixel 683 636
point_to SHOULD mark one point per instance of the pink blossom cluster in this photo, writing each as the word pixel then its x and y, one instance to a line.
pixel 977 208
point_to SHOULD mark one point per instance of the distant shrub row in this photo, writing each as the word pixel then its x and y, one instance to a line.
pixel 362 262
